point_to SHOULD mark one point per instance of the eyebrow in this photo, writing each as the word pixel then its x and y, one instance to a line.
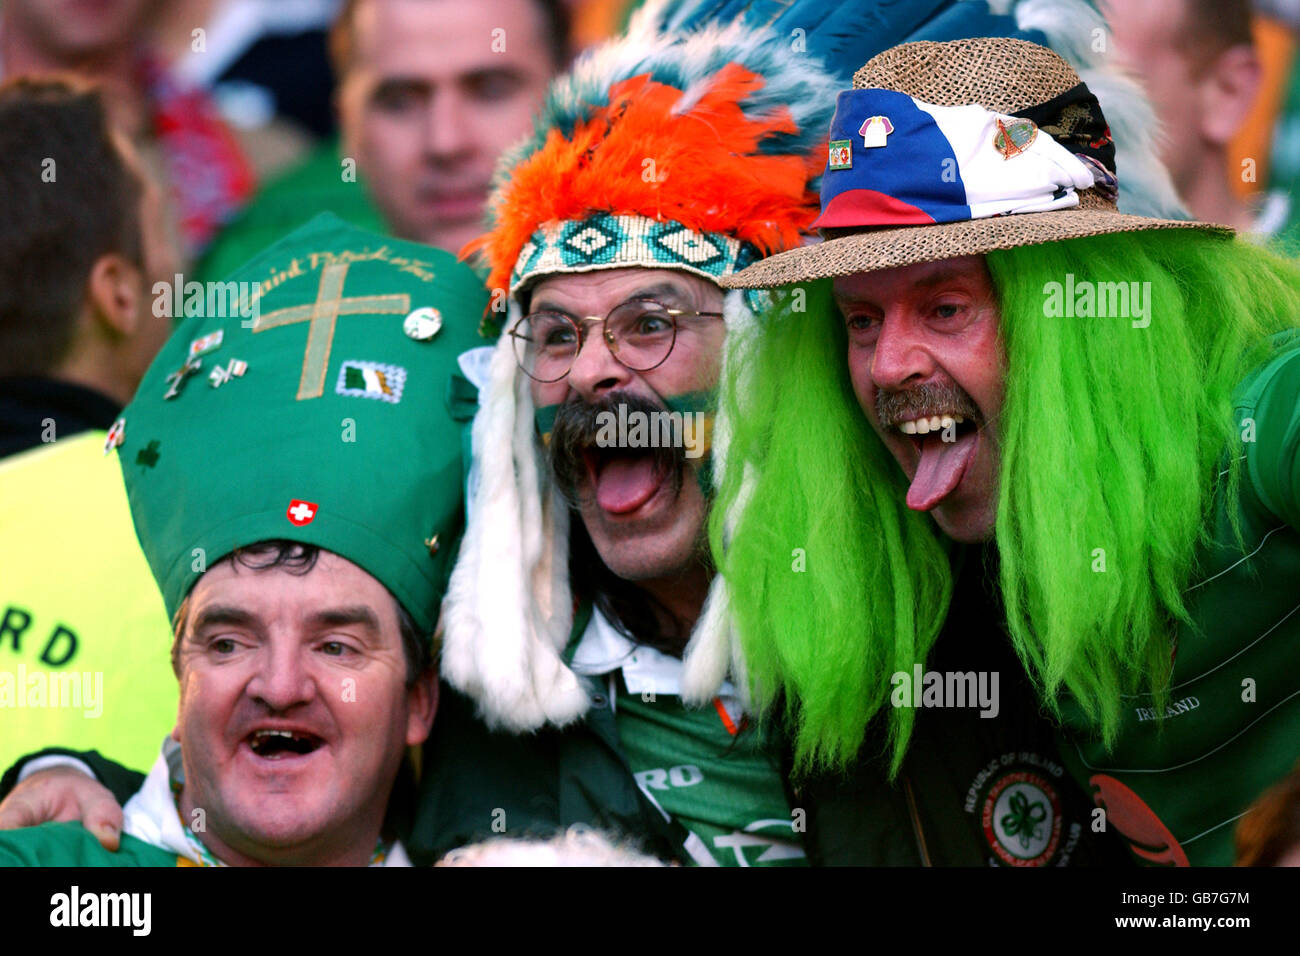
pixel 491 73
pixel 343 616
pixel 658 291
pixel 222 615
pixel 938 277
pixel 399 84
pixel 227 615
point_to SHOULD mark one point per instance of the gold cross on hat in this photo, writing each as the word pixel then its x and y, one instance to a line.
pixel 322 314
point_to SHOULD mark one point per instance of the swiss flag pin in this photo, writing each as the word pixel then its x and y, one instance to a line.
pixel 301 512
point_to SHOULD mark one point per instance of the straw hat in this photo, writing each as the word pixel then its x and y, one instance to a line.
pixel 964 147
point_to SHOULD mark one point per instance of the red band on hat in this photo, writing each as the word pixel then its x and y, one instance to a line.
pixel 867 207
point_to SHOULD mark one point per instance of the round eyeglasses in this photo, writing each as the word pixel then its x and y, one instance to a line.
pixel 640 334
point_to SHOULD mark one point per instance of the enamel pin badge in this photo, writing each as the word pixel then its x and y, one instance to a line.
pixel 207 343
pixel 116 435
pixel 874 131
pixel 220 375
pixel 841 154
pixel 1015 137
pixel 422 324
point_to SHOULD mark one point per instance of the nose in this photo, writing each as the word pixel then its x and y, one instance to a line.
pixel 448 134
pixel 595 370
pixel 282 680
pixel 900 359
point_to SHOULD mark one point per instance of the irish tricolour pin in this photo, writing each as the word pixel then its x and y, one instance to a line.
pixel 371 380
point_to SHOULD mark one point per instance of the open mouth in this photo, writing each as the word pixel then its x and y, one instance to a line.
pixel 946 446
pixel 277 744
pixel 623 480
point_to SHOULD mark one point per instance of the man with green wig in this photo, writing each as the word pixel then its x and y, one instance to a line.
pixel 258 457
pixel 1062 445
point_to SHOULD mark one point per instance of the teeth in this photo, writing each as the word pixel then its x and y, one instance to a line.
pixel 932 423
pixel 274 733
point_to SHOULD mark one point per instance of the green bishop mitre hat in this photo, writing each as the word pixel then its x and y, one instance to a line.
pixel 315 411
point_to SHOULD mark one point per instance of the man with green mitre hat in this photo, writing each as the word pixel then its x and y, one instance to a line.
pixel 294 476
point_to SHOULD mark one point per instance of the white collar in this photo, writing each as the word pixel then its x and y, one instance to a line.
pixel 150 815
pixel 602 650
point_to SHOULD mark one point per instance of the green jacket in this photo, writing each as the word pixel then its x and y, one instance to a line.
pixel 71 844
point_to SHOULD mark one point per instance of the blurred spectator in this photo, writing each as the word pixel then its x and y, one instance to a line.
pixel 82 240
pixel 1199 66
pixel 81 244
pixel 259 58
pixel 177 129
pixel 430 93
pixel 1282 19
pixel 1274 44
pixel 1269 833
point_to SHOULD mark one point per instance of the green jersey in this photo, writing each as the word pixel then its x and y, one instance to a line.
pixel 703 768
pixel 1175 786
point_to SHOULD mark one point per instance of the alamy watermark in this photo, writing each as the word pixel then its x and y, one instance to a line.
pixel 40 688
pixel 129 910
pixel 1084 299
pixel 664 429
pixel 946 689
pixel 224 300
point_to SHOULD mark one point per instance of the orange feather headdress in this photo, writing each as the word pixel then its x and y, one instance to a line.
pixel 657 152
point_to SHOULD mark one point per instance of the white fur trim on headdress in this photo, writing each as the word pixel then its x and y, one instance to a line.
pixel 714 652
pixel 508 610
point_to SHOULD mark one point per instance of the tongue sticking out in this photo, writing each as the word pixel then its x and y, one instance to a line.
pixel 625 484
pixel 940 470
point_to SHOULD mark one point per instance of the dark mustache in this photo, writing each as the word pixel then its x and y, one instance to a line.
pixel 931 398
pixel 574 432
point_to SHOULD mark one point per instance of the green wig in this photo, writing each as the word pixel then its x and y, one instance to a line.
pixel 1113 434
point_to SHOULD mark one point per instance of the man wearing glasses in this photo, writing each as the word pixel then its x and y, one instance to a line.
pixel 657 351
pixel 576 619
